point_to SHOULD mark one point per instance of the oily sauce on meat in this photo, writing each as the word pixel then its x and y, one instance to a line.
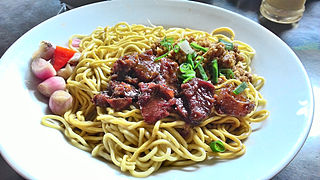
pixel 154 87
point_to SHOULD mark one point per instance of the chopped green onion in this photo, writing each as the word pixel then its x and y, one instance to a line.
pixel 162 56
pixel 185 67
pixel 199 59
pixel 202 73
pixel 228 45
pixel 176 48
pixel 186 80
pixel 188 76
pixel 187 72
pixel 188 68
pixel 167 43
pixel 240 88
pixel 197 46
pixel 227 72
pixel 189 59
pixel 217 146
pixel 214 70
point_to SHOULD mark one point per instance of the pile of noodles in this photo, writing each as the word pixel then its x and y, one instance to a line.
pixel 123 138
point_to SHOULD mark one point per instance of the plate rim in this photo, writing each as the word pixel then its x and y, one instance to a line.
pixel 292 155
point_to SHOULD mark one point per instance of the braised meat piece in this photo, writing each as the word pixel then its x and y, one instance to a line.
pixel 168 74
pixel 146 69
pixel 103 100
pixel 229 103
pixel 123 66
pixel 198 99
pixel 154 86
pixel 131 80
pixel 180 108
pixel 154 101
pixel 119 96
pixel 119 104
pixel 128 71
pixel 135 68
pixel 122 89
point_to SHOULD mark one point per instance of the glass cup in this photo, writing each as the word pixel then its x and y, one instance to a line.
pixel 282 11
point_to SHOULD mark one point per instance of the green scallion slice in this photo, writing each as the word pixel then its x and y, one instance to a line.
pixel 162 56
pixel 228 45
pixel 189 60
pixel 199 59
pixel 176 48
pixel 227 72
pixel 198 47
pixel 217 146
pixel 167 43
pixel 240 88
pixel 202 73
pixel 186 80
pixel 187 72
pixel 185 67
pixel 214 69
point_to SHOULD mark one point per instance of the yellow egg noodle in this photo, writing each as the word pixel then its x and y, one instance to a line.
pixel 123 137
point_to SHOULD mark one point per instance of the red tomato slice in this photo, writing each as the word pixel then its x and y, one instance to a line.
pixel 61 57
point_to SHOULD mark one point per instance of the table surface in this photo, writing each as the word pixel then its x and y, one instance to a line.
pixel 18 17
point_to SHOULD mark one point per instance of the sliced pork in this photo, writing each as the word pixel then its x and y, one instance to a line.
pixel 198 96
pixel 229 103
pixel 154 101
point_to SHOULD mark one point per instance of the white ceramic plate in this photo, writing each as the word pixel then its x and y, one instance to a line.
pixel 39 152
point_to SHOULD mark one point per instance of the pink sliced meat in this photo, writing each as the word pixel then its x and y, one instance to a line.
pixel 198 97
pixel 118 104
pixel 119 96
pixel 154 101
pixel 231 104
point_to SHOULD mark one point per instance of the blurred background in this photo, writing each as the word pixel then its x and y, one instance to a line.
pixel 19 16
